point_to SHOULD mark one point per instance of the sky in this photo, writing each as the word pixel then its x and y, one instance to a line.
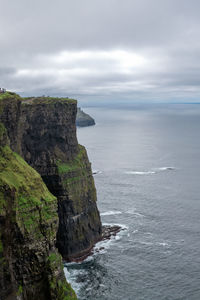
pixel 102 50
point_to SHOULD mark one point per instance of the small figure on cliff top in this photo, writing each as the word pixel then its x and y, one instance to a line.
pixel 2 90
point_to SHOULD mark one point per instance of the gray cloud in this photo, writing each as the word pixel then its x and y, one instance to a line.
pixel 147 49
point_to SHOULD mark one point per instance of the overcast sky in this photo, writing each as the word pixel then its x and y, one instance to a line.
pixel 142 50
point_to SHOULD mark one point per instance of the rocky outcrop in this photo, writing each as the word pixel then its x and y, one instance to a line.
pixel 83 119
pixel 43 132
pixel 30 266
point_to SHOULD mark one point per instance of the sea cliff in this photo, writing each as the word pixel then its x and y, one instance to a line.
pixel 47 197
pixel 83 119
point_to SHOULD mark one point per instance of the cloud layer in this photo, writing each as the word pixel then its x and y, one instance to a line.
pixel 108 49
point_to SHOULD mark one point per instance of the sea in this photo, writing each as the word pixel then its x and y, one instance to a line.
pixel 146 160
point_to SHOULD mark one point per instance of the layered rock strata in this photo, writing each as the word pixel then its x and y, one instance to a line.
pixel 30 266
pixel 49 144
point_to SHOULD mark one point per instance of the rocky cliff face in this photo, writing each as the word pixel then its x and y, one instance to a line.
pixel 43 132
pixel 49 144
pixel 30 266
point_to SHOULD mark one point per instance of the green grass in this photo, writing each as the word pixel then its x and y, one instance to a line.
pixel 47 100
pixel 2 132
pixel 72 165
pixel 26 202
pixel 34 204
pixel 77 179
pixel 36 100
pixel 9 95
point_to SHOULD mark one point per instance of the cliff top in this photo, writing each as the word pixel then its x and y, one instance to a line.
pixel 36 100
pixel 47 100
pixel 9 95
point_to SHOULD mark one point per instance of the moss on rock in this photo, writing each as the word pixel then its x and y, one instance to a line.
pixel 83 226
pixel 29 262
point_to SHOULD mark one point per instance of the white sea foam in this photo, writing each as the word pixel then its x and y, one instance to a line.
pixel 138 214
pixel 140 172
pixel 166 169
pixel 123 227
pixel 164 244
pixel 71 277
pixel 134 212
pixel 102 246
pixel 150 172
pixel 94 172
pixel 70 264
pixel 111 212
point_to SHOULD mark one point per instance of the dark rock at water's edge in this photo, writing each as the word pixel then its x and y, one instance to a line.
pixel 83 119
pixel 43 132
pixel 108 232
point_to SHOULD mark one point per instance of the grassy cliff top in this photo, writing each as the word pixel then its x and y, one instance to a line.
pixel 47 100
pixel 36 100
pixel 9 95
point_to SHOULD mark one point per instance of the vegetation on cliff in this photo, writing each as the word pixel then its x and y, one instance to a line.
pixel 30 266
pixel 50 146
pixel 47 100
pixel 38 136
pixel 84 226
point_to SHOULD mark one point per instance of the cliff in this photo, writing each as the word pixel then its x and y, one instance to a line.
pixel 83 119
pixel 30 266
pixel 34 216
pixel 49 144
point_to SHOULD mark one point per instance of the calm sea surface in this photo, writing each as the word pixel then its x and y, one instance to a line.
pixel 147 161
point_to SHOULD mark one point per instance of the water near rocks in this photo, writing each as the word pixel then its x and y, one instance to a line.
pixel 148 162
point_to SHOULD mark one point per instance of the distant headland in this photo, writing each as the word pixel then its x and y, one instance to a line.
pixel 83 119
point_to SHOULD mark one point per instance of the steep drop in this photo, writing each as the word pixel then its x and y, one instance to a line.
pixel 30 266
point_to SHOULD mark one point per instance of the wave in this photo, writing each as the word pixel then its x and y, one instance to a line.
pixel 151 172
pixel 95 172
pixel 140 172
pixel 123 227
pixel 165 169
pixel 102 246
pixel 72 278
pixel 109 213
pixel 135 213
pixel 73 271
pixel 164 244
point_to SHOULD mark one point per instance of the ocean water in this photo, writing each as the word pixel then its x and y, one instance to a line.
pixel 147 165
